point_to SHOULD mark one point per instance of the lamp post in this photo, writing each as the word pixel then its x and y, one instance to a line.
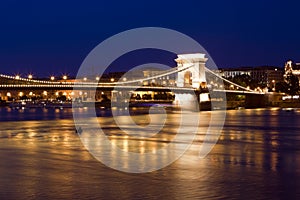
pixel 274 85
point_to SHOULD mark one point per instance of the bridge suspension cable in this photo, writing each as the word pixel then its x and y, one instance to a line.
pixel 165 73
pixel 239 86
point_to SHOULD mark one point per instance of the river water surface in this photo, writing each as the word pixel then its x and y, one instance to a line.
pixel 257 157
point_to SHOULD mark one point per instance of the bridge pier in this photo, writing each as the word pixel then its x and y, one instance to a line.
pixel 187 101
pixel 192 76
pixel 193 101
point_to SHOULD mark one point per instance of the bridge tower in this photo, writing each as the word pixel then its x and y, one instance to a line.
pixel 195 75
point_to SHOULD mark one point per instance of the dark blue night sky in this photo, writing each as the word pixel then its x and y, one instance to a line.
pixel 53 37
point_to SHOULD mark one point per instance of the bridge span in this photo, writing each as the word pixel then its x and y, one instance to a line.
pixel 192 76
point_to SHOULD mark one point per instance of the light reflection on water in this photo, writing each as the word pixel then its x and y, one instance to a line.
pixel 257 157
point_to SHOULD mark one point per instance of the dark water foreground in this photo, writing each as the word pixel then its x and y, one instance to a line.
pixel 257 157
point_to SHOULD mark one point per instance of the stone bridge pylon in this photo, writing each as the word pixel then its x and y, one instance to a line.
pixel 195 75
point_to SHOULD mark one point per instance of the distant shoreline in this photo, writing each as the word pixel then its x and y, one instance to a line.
pixel 231 105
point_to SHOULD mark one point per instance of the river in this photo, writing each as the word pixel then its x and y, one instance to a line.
pixel 256 157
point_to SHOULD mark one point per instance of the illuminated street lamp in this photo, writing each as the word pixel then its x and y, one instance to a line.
pixel 112 79
pixel 52 78
pixel 84 78
pixel 17 77
pixel 65 77
pixel 97 78
pixel 273 81
pixel 30 76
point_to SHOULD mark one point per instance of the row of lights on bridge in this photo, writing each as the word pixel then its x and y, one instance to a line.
pixel 53 78
pixel 45 93
pixel 64 77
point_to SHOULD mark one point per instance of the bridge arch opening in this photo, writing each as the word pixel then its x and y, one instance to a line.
pixel 188 79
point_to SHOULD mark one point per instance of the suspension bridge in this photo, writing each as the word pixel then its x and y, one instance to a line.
pixel 190 75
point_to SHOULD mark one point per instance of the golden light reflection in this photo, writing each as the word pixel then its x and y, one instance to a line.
pixel 125 145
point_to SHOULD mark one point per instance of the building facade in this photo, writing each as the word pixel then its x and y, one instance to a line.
pixel 264 75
